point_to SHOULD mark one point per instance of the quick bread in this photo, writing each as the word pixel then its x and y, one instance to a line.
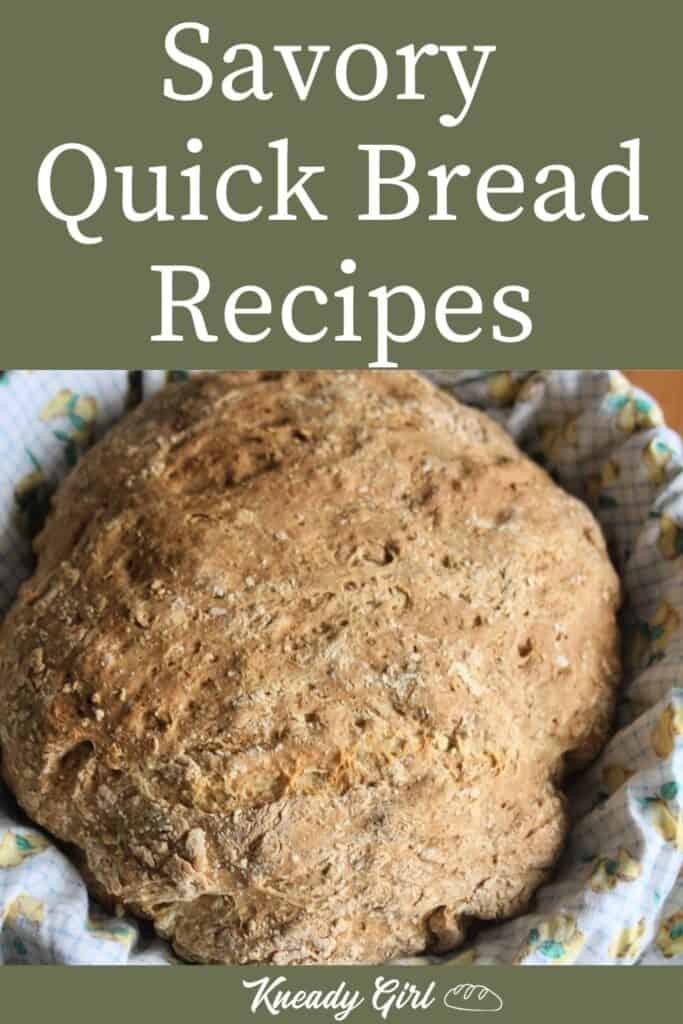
pixel 303 664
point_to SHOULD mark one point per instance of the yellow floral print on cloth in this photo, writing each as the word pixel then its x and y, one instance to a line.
pixel 21 925
pixel 653 636
pixel 503 387
pixel 670 541
pixel 632 409
pixel 667 820
pixel 614 776
pixel 24 907
pixel 627 942
pixel 79 413
pixel 555 941
pixel 15 847
pixel 609 871
pixel 556 438
pixel 657 456
pixel 111 931
pixel 670 936
pixel 617 896
pixel 667 731
pixel 465 959
pixel 597 486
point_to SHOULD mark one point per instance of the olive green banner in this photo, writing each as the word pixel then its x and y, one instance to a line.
pixel 360 995
pixel 308 184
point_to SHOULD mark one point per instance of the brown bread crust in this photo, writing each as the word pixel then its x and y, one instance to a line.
pixel 302 665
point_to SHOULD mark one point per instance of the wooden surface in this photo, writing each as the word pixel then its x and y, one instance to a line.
pixel 667 387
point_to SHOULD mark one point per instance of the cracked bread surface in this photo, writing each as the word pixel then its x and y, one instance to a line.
pixel 304 661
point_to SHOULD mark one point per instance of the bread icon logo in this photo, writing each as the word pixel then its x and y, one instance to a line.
pixel 468 998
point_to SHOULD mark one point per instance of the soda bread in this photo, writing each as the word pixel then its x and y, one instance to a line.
pixel 303 663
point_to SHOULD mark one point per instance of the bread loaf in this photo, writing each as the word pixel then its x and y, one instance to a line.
pixel 303 664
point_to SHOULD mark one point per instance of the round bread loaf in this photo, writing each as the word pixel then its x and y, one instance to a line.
pixel 304 661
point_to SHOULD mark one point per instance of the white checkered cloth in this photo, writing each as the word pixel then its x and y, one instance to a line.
pixel 617 896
